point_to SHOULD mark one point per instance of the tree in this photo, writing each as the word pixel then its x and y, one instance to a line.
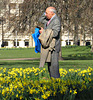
pixel 76 17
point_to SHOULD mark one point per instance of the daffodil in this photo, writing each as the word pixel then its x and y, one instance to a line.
pixel 75 92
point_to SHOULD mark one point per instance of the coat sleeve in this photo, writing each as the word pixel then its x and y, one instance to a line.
pixel 56 28
pixel 43 19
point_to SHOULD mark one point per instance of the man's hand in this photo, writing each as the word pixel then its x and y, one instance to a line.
pixel 40 31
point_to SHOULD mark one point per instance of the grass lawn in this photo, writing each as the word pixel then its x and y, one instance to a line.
pixel 74 57
pixel 18 53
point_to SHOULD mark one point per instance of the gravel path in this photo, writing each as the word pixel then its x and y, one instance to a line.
pixel 22 59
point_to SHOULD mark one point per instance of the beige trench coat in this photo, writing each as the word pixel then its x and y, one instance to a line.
pixel 47 45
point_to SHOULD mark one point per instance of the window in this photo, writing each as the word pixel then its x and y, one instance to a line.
pixel 78 43
pixel 87 43
pixel 67 43
pixel 26 43
pixel 15 43
pixel 5 43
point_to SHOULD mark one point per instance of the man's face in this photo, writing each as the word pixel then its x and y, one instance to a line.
pixel 48 14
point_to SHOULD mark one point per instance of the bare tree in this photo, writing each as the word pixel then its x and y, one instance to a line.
pixel 76 17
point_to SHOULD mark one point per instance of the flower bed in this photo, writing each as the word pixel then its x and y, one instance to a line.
pixel 33 84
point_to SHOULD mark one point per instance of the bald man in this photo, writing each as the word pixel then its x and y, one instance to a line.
pixel 51 21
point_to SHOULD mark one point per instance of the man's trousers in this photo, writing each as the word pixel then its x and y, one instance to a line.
pixel 53 66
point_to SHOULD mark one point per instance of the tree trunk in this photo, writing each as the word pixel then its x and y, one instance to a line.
pixel 84 39
pixel 60 54
pixel 92 44
pixel 30 41
pixel 76 34
pixel 81 39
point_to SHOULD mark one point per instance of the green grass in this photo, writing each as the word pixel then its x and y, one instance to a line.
pixel 18 53
pixel 35 63
pixel 74 57
pixel 77 53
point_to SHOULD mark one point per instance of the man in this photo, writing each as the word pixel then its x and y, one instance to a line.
pixel 51 21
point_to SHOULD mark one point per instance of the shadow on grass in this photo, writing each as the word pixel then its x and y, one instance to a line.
pixel 75 64
pixel 79 56
pixel 23 64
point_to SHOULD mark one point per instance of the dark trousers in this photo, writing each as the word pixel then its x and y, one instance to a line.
pixel 53 66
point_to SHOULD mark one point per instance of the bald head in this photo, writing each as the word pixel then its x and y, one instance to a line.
pixel 50 12
pixel 52 9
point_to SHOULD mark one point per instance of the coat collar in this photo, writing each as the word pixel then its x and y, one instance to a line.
pixel 52 18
